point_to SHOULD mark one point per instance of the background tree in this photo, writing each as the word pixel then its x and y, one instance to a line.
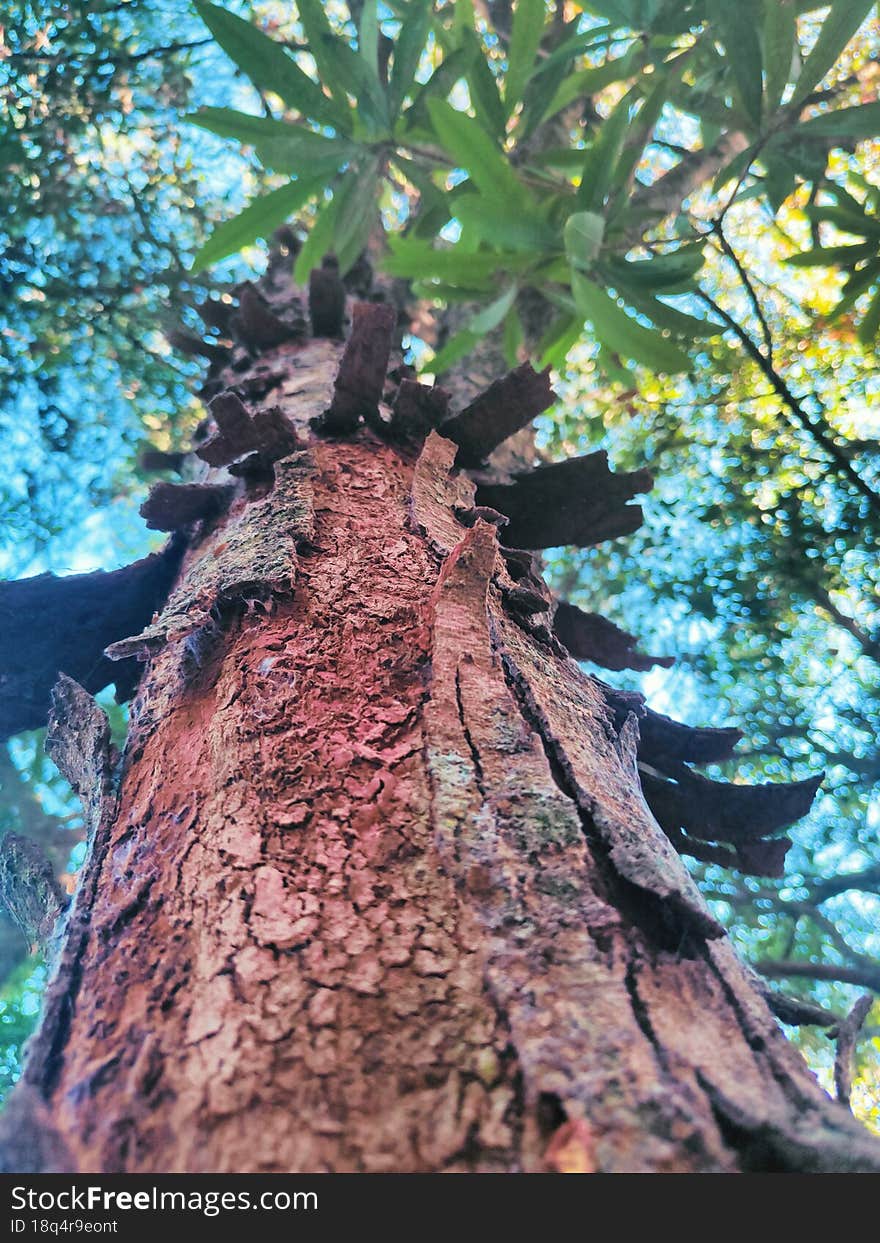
pixel 572 239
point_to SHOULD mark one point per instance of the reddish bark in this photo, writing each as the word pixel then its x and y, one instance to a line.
pixel 379 889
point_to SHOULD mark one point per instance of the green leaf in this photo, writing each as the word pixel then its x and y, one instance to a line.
pixel 662 272
pixel 583 234
pixel 342 70
pixel 454 349
pixel 283 147
pixel 867 329
pixel 562 334
pixel 419 259
pixel 258 219
pixel 408 48
pixel 342 225
pixel 525 39
pixel 504 230
pixel 513 337
pixel 843 20
pixel 737 26
pixel 642 129
pixel 679 322
pixel 492 315
pixel 368 34
pixel 861 121
pixel 269 67
pixel 483 87
pixel 463 342
pixel 780 44
pixel 843 218
pixel 621 333
pixel 473 150
pixel 831 256
pixel 587 82
pixel 602 156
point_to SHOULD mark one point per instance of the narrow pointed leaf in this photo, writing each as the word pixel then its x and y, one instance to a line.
pixel 737 28
pixel 269 67
pixel 525 39
pixel 258 219
pixel 780 43
pixel 843 20
pixel 623 334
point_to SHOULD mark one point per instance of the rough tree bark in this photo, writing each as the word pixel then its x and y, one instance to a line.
pixel 375 885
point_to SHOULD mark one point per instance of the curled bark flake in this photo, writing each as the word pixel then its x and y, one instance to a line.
pixel 417 410
pixel 794 1010
pixel 186 342
pixel 665 744
pixel 78 743
pixel 254 557
pixel 260 326
pixel 151 460
pixel 360 380
pixel 268 433
pixel 720 811
pixel 588 636
pixel 50 625
pixel 847 1035
pixel 507 405
pixel 326 299
pixel 437 494
pixel 171 506
pixel 29 890
pixel 578 501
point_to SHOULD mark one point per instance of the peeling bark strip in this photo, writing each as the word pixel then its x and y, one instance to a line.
pixel 847 1035
pixel 361 377
pixel 417 410
pixel 377 889
pixel 507 405
pixel 252 558
pixel 326 299
pixel 591 637
pixel 52 625
pixel 579 501
pixel 29 893
pixel 171 506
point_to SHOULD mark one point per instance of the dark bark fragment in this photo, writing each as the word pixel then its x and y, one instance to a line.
pixel 78 742
pixel 579 501
pixel 326 299
pixel 360 380
pixel 171 506
pixel 664 742
pixel 794 1010
pixel 417 410
pixel 52 625
pixel 505 407
pixel 261 327
pixel 151 460
pixel 188 343
pixel 588 636
pixel 721 811
pixel 266 435
pixel 847 1035
pixel 29 891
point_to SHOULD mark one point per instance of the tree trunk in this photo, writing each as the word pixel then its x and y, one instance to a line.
pixel 374 886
